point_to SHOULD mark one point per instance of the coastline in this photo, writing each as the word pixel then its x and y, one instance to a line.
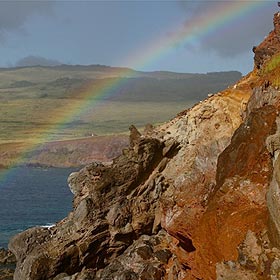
pixel 74 153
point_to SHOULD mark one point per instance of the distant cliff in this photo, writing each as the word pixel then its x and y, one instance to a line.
pixel 68 153
pixel 79 152
pixel 195 198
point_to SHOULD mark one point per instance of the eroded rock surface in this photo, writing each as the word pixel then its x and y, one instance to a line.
pixel 113 206
pixel 7 264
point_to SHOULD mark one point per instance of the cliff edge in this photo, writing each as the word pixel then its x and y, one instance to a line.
pixel 194 198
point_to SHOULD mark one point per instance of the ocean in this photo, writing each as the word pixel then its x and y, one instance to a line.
pixel 31 197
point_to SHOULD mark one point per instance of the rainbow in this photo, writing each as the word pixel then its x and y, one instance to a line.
pixel 222 12
pixel 226 12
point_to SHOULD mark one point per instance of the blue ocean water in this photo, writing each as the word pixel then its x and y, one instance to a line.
pixel 30 197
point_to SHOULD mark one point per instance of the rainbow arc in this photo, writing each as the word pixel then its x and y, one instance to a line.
pixel 226 12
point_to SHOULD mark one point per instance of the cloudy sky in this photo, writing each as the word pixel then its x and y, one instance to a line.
pixel 181 36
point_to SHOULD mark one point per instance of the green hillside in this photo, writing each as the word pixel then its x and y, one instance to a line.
pixel 42 100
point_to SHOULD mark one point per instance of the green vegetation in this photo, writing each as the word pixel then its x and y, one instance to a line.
pixel 272 64
pixel 49 102
pixel 30 118
pixel 271 70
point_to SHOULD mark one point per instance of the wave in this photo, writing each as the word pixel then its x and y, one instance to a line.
pixel 48 226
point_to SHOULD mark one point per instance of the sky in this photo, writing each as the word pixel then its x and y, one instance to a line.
pixel 180 36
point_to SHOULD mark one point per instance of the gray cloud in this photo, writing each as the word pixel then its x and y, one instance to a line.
pixel 36 60
pixel 13 14
pixel 233 38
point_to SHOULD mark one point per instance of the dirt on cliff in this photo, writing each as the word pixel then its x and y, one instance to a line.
pixel 194 198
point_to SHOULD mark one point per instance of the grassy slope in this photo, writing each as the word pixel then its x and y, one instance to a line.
pixel 34 100
pixel 37 103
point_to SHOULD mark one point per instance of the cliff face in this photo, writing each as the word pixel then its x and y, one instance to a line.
pixel 187 200
pixel 67 153
pixel 270 46
pixel 79 152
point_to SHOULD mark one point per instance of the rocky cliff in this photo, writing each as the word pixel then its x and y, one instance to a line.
pixel 195 198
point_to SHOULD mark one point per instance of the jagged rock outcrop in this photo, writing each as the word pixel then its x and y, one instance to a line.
pixel 113 206
pixel 186 200
pixel 270 46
